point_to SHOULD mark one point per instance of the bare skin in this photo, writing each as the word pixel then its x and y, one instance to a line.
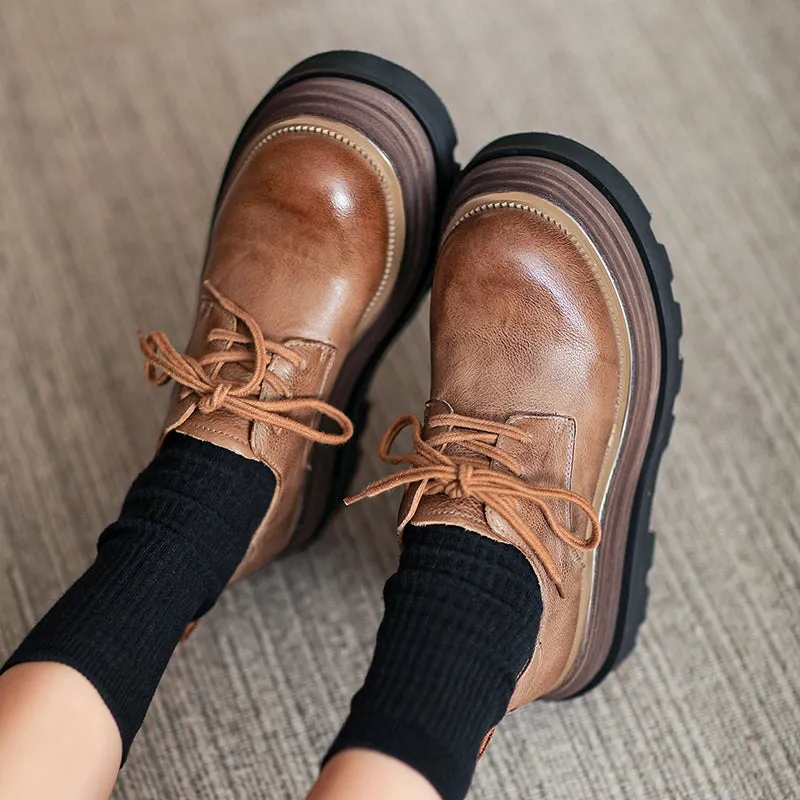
pixel 57 736
pixel 366 775
pixel 58 739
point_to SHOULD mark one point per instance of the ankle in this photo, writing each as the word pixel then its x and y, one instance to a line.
pixel 359 774
pixel 462 615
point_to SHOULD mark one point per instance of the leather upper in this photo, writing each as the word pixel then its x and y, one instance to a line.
pixel 300 243
pixel 522 333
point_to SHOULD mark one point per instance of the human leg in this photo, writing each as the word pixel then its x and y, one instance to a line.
pixel 555 367
pixel 317 256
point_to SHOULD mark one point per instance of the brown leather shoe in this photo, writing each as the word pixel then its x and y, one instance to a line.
pixel 319 252
pixel 555 369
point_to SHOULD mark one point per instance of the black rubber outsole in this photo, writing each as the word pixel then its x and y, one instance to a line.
pixel 616 188
pixel 435 120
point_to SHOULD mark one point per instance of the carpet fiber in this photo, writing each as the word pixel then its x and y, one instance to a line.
pixel 115 121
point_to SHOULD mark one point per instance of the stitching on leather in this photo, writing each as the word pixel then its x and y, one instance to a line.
pixel 298 344
pixel 326 352
pixel 220 433
pixel 570 460
pixel 468 515
pixel 572 427
pixel 588 260
pixel 340 137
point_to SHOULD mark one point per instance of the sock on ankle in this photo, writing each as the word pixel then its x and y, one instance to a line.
pixel 461 620
pixel 184 527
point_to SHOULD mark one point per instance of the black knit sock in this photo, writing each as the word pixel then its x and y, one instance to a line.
pixel 184 527
pixel 462 616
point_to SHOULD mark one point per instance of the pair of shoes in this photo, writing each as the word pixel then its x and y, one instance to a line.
pixel 554 338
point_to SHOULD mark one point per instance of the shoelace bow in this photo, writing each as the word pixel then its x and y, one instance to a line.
pixel 200 376
pixel 466 476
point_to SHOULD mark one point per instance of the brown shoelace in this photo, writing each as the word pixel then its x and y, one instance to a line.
pixel 200 377
pixel 468 476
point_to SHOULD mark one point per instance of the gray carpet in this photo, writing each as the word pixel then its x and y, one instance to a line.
pixel 116 118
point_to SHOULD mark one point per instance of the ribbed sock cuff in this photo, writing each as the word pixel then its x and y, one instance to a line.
pixel 462 615
pixel 184 527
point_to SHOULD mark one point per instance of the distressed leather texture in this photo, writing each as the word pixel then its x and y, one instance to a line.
pixel 117 119
pixel 521 334
pixel 300 243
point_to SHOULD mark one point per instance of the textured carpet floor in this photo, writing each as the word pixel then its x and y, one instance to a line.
pixel 115 120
